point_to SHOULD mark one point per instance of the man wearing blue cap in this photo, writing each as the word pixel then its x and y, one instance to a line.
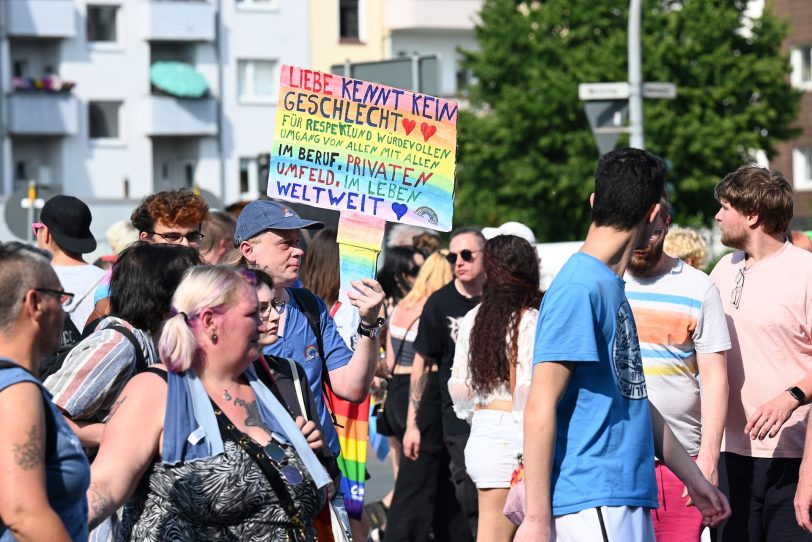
pixel 268 235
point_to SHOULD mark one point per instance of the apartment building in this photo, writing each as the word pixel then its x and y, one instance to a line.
pixel 112 99
pixel 373 30
pixel 794 157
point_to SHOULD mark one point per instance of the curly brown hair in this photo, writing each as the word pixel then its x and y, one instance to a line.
pixel 180 207
pixel 512 267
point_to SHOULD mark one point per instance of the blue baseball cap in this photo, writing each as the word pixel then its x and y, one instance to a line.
pixel 262 214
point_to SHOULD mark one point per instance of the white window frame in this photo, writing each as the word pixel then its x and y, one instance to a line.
pixel 108 45
pixel 802 168
pixel 796 58
pixel 248 85
pixel 108 141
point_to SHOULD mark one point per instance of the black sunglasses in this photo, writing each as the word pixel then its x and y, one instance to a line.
pixel 194 238
pixel 465 254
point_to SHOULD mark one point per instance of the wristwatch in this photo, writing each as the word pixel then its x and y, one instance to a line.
pixel 797 393
pixel 373 331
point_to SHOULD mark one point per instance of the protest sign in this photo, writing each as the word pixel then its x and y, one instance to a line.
pixel 350 145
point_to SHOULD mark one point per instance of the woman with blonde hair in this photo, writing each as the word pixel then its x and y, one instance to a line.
pixel 215 456
pixel 434 274
pixel 687 245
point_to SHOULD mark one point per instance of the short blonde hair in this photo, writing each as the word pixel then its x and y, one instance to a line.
pixel 435 273
pixel 688 245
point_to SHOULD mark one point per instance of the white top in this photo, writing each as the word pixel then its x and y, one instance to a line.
pixel 463 396
pixel 81 281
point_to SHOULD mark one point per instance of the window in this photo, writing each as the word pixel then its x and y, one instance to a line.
pixel 801 60
pixel 248 177
pixel 20 68
pixel 256 80
pixel 102 24
pixel 103 119
pixel 348 19
pixel 802 168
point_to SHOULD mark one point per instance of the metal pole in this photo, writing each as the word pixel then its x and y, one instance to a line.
pixel 636 138
pixel 416 72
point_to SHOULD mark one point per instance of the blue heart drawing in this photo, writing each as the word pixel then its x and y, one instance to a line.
pixel 399 209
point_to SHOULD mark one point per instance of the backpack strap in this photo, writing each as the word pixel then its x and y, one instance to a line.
pixel 140 362
pixel 309 305
pixel 50 423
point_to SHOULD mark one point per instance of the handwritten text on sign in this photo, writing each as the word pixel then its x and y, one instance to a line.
pixel 350 145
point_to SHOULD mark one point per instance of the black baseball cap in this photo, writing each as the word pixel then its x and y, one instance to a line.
pixel 68 220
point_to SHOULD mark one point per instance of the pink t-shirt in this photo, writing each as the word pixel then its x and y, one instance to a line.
pixel 771 332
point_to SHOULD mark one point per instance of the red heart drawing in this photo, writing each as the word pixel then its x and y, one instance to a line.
pixel 428 130
pixel 408 125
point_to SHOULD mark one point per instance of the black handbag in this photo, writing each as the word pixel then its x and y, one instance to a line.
pixel 383 426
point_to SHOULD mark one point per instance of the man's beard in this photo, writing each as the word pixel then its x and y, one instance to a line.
pixel 641 264
pixel 733 240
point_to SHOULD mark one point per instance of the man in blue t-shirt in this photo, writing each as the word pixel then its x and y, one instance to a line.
pixel 590 434
pixel 267 234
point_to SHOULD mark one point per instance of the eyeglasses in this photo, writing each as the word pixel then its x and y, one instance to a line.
pixel 465 254
pixel 736 294
pixel 265 308
pixel 37 226
pixel 65 298
pixel 277 454
pixel 413 271
pixel 194 238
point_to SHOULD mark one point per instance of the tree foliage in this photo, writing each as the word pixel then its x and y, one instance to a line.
pixel 526 152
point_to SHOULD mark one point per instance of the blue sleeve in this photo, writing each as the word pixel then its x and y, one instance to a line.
pixel 336 351
pixel 566 326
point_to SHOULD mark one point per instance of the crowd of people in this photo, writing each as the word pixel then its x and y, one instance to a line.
pixel 183 388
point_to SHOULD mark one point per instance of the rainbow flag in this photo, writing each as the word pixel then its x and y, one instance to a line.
pixel 353 436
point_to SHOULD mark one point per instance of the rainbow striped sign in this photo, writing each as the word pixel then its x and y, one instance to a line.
pixel 350 145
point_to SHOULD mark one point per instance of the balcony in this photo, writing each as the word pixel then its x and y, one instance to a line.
pixel 177 20
pixel 168 116
pixel 43 114
pixel 40 18
pixel 434 15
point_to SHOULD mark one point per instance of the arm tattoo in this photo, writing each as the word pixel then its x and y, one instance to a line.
pixel 114 409
pixel 254 419
pixel 28 455
pixel 417 391
pixel 100 505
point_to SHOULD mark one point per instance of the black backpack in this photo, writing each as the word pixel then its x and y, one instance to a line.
pixel 51 364
pixel 309 306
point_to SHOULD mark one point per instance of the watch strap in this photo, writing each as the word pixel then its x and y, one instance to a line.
pixel 797 393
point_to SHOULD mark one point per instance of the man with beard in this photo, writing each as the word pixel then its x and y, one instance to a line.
pixel 766 287
pixel 683 338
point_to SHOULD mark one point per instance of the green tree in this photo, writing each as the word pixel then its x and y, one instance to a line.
pixel 525 148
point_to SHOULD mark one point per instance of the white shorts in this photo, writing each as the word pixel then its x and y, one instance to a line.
pixel 620 524
pixel 490 455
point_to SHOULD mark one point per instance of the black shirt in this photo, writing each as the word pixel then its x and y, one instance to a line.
pixel 436 341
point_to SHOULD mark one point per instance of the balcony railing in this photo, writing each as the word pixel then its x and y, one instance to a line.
pixel 43 113
pixel 40 18
pixel 177 20
pixel 169 116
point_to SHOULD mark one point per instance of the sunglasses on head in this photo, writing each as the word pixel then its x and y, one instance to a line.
pixel 465 254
